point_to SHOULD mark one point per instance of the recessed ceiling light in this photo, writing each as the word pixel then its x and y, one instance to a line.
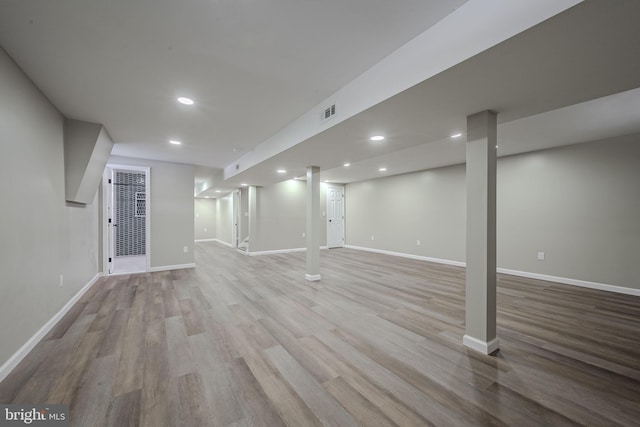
pixel 244 185
pixel 377 138
pixel 281 171
pixel 217 191
pixel 382 169
pixel 346 165
pixel 184 100
pixel 174 142
pixel 456 135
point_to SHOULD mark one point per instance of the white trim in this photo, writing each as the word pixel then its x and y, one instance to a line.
pixel 343 192
pixel 481 346
pixel 22 352
pixel 172 267
pixel 205 240
pixel 105 203
pixel 411 256
pixel 222 242
pixel 276 251
pixel 127 273
pixel 235 218
pixel 312 277
pixel 548 278
pixel 281 251
pixel 573 282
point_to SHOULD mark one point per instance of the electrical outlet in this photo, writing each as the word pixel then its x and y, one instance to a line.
pixel 205 229
pixel 304 234
pixel 417 242
pixel 186 249
pixel 61 282
pixel 541 256
pixel 372 238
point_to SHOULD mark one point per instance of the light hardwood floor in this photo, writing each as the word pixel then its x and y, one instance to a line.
pixel 246 341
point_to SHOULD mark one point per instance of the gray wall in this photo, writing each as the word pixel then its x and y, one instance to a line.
pixel 87 147
pixel 40 237
pixel 579 204
pixel 205 219
pixel 224 215
pixel 282 216
pixel 172 211
pixel 400 210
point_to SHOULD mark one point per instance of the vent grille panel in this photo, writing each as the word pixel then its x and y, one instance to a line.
pixel 130 212
pixel 328 112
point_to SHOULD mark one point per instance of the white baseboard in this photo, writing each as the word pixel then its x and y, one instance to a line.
pixel 281 251
pixel 546 277
pixel 222 242
pixel 481 346
pixel 128 273
pixel 312 277
pixel 22 352
pixel 574 282
pixel 172 267
pixel 205 240
pixel 411 256
pixel 277 251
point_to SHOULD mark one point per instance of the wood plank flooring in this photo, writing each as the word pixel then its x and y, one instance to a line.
pixel 246 341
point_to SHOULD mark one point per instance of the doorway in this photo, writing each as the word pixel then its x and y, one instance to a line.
pixel 126 219
pixel 335 217
pixel 235 222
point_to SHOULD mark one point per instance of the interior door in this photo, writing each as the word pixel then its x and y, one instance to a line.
pixel 235 238
pixel 335 217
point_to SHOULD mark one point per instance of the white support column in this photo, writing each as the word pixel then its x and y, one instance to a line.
pixel 480 331
pixel 313 223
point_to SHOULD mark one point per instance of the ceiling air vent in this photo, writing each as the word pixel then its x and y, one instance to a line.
pixel 328 112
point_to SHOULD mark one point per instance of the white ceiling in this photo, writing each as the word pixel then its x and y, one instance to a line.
pixel 255 67
pixel 251 66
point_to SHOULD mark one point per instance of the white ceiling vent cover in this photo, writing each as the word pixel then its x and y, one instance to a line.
pixel 328 112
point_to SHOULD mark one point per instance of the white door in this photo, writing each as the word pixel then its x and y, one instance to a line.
pixel 235 230
pixel 335 217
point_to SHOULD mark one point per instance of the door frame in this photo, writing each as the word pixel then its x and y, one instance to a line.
pixel 342 190
pixel 235 218
pixel 107 229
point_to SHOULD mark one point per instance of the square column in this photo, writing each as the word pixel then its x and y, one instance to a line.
pixel 313 224
pixel 480 331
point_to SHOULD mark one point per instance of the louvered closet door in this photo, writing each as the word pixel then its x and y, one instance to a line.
pixel 130 211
